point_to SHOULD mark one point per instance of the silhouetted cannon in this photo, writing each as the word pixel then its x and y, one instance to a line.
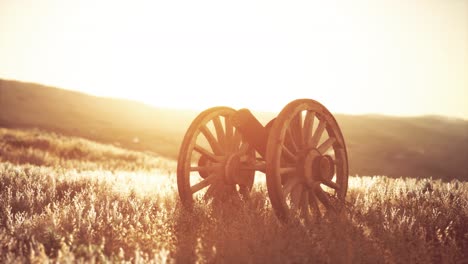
pixel 302 153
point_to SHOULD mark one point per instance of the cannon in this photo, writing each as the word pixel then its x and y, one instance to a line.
pixel 301 152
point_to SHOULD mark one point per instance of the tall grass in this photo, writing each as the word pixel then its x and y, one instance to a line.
pixel 50 149
pixel 67 211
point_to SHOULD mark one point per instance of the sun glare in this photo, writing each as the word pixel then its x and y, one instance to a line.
pixel 354 58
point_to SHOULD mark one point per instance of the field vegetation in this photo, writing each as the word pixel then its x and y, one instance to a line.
pixel 68 199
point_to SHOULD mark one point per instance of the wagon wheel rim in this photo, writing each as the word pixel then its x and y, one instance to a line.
pixel 211 159
pixel 307 163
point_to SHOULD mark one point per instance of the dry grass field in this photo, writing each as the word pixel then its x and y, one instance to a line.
pixel 65 199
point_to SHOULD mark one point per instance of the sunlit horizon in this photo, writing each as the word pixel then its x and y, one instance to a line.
pixel 361 57
pixel 198 108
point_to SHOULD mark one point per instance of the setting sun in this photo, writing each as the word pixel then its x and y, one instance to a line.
pixel 386 57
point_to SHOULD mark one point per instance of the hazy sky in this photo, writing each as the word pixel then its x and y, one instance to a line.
pixel 368 56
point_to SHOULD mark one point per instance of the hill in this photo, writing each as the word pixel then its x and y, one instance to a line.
pixel 427 146
pixel 116 121
pixel 407 146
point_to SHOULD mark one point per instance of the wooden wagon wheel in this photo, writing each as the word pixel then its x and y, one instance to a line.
pixel 214 160
pixel 306 162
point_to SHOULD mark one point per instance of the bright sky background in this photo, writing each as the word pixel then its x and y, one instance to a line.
pixel 367 56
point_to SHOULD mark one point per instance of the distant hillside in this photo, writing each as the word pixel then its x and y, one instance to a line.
pixel 377 145
pixel 416 146
pixel 121 122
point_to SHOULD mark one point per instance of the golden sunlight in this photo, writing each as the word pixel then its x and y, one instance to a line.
pixel 360 57
pixel 134 163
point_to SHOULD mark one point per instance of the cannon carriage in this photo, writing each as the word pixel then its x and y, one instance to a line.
pixel 302 152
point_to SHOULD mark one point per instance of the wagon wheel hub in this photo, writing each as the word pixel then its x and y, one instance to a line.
pixel 233 172
pixel 317 167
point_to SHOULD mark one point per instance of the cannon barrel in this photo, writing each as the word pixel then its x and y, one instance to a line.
pixel 251 129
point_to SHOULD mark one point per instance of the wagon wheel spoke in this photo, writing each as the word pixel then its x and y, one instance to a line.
pixel 314 205
pixel 286 174
pixel 204 183
pixel 210 193
pixel 305 205
pixel 290 184
pixel 324 198
pixel 207 168
pixel 207 153
pixel 296 196
pixel 260 166
pixel 290 141
pixel 219 191
pixel 288 154
pixel 214 144
pixel 219 131
pixel 296 127
pixel 317 134
pixel 330 183
pixel 326 145
pixel 287 170
pixel 308 125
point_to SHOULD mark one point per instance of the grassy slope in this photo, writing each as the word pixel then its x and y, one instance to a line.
pixel 377 145
pixel 103 119
pixel 78 207
pixel 412 147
